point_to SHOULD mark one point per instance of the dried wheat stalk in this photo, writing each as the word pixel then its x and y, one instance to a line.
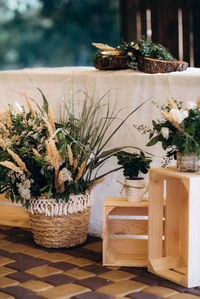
pixel 29 105
pixel 18 160
pixel 70 155
pixel 2 144
pixel 80 171
pixel 103 47
pixel 12 166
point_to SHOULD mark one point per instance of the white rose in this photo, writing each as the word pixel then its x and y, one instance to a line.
pixel 165 132
pixel 178 115
pixel 190 105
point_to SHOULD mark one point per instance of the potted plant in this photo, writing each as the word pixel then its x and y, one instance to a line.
pixel 179 133
pixel 133 165
pixel 50 167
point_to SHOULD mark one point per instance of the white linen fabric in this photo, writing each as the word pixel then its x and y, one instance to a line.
pixel 127 89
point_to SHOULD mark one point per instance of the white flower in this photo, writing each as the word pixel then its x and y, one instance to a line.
pixel 67 176
pixel 130 54
pixel 136 47
pixel 165 132
pixel 190 105
pixel 35 136
pixel 178 115
pixel 19 108
pixel 7 141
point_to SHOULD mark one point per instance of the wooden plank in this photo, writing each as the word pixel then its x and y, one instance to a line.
pixel 123 202
pixel 165 24
pixel 172 275
pixel 155 216
pixel 181 270
pixel 128 246
pixel 184 219
pixel 128 227
pixel 13 216
pixel 172 219
pixel 196 26
pixel 129 211
pixel 128 10
pixel 130 260
pixel 164 263
pixel 106 211
pixel 187 22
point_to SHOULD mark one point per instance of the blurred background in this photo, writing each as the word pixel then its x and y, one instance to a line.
pixel 35 33
pixel 55 33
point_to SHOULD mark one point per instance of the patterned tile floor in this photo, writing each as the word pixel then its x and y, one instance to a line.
pixel 28 271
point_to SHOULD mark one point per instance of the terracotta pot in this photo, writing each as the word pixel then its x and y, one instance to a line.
pixel 135 189
pixel 187 163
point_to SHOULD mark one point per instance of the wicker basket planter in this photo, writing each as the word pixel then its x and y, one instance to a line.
pixel 59 224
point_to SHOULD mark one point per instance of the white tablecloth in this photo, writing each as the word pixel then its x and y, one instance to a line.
pixel 127 90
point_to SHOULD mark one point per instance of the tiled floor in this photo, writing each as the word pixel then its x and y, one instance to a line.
pixel 28 271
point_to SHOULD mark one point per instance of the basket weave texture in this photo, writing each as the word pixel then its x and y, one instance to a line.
pixel 60 229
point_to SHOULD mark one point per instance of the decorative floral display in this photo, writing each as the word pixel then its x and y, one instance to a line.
pixel 180 129
pixel 39 155
pixel 133 50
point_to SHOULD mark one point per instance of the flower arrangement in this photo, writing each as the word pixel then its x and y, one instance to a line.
pixel 131 51
pixel 39 155
pixel 180 129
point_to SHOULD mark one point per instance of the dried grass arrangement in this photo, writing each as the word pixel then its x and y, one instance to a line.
pixel 58 160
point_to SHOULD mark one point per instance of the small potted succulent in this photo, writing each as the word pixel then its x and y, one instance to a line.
pixel 133 165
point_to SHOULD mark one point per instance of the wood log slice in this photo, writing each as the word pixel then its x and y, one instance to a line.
pixel 114 63
pixel 150 65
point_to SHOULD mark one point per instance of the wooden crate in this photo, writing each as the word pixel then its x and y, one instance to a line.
pixel 125 232
pixel 12 214
pixel 176 256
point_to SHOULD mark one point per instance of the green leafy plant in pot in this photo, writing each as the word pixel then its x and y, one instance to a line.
pixel 133 165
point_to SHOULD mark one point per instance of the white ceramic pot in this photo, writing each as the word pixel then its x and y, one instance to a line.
pixel 135 189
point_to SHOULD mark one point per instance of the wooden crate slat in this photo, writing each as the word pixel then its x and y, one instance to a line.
pixel 116 259
pixel 156 189
pixel 165 263
pixel 129 211
pixel 128 227
pixel 172 275
pixel 172 222
pixel 128 246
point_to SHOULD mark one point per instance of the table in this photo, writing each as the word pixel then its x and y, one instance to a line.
pixel 128 89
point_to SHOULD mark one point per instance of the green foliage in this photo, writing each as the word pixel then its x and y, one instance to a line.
pixel 133 164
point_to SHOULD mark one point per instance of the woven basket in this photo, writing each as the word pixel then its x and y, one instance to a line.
pixel 59 225
pixel 117 62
